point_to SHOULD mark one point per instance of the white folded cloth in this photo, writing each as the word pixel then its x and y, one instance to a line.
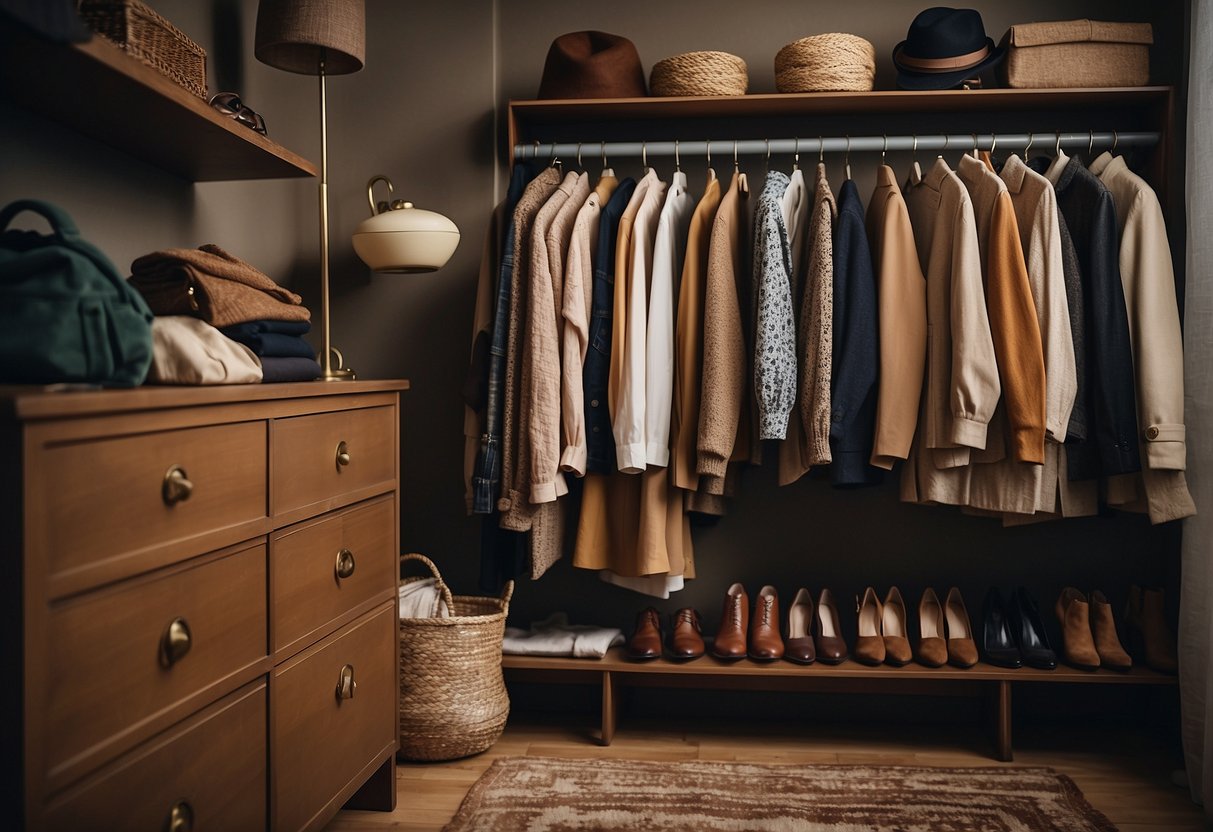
pixel 188 350
pixel 555 636
pixel 422 599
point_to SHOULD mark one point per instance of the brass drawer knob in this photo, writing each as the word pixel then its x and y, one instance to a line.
pixel 181 817
pixel 343 454
pixel 175 642
pixel 177 487
pixel 345 564
pixel 346 686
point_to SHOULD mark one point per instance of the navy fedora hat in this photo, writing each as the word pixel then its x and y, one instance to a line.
pixel 944 48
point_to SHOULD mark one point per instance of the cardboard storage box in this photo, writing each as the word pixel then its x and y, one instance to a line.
pixel 1077 53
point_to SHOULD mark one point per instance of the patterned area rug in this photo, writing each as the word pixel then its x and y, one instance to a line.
pixel 537 793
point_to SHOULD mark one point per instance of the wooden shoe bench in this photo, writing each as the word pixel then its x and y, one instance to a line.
pixel 993 684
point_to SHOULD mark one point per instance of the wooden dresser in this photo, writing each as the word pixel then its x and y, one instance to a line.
pixel 200 599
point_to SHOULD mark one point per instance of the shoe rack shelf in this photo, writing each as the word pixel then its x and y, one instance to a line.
pixel 98 90
pixel 991 683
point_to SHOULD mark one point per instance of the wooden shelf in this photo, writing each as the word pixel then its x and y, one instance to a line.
pixel 100 91
pixel 833 103
pixel 993 684
pixel 615 662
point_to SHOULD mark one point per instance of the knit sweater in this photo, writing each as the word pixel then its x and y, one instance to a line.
pixel 817 323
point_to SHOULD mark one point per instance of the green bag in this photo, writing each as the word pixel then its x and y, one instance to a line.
pixel 66 315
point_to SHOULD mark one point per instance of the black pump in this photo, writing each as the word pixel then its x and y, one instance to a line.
pixel 1029 631
pixel 998 646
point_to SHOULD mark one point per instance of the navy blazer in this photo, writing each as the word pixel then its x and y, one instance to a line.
pixel 856 348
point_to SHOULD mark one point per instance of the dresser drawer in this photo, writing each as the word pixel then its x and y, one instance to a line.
pixel 323 568
pixel 112 676
pixel 109 512
pixel 309 470
pixel 211 769
pixel 322 743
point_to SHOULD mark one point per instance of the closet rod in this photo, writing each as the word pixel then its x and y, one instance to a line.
pixel 724 148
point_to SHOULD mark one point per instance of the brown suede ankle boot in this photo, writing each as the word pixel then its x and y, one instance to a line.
pixel 1076 640
pixel 1146 617
pixel 1103 628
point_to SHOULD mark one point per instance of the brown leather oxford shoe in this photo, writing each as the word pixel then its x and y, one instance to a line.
pixel 766 644
pixel 686 640
pixel 645 643
pixel 730 643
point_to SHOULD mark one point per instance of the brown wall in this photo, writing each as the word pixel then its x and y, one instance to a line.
pixel 426 110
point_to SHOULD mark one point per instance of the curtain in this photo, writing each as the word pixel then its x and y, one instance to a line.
pixel 1196 594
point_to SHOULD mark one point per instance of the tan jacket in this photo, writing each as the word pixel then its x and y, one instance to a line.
pixel 962 386
pixel 688 364
pixel 902 294
pixel 1148 277
pixel 815 328
pixel 578 296
pixel 1036 216
pixel 724 372
pixel 1012 312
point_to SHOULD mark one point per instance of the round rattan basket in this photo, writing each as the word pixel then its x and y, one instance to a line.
pixel 699 73
pixel 453 701
pixel 833 62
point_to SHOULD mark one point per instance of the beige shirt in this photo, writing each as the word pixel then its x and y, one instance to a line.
pixel 577 300
pixel 902 297
pixel 1148 278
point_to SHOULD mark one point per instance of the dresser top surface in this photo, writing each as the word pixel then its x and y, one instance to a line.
pixel 53 402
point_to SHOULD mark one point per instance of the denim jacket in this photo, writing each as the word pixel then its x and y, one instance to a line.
pixel 600 444
pixel 487 473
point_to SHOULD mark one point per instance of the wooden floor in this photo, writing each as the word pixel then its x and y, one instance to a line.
pixel 1124 773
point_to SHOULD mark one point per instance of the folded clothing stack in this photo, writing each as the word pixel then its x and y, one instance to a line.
pixel 230 300
pixel 284 355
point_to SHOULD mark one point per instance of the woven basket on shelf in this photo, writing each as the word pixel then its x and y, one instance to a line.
pixel 453 701
pixel 833 62
pixel 699 73
pixel 144 34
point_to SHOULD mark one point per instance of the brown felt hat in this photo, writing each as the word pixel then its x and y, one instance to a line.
pixel 592 65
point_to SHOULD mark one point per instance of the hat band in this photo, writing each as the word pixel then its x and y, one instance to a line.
pixel 944 64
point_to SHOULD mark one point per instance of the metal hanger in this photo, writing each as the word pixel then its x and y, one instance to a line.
pixel 768 162
pixel 993 144
pixel 914 150
pixel 580 166
pixel 644 156
pixel 1057 145
pixel 946 139
pixel 821 150
pixel 1115 140
pixel 606 168
pixel 1090 143
pixel 974 145
pixel 1027 150
pixel 796 155
pixel 847 159
pixel 556 160
pixel 677 158
pixel 884 148
pixel 736 165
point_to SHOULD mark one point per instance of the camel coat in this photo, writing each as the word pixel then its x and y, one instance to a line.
pixel 1148 277
pixel 902 297
pixel 724 373
pixel 688 365
pixel 962 385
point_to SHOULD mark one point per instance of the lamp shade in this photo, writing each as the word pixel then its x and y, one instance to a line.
pixel 405 239
pixel 293 35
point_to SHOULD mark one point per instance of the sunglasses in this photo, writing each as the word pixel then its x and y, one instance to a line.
pixel 230 105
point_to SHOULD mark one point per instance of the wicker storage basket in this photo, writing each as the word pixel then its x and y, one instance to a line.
pixel 833 62
pixel 453 701
pixel 144 34
pixel 1077 53
pixel 699 73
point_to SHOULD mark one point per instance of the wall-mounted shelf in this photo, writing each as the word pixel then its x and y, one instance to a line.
pixel 100 91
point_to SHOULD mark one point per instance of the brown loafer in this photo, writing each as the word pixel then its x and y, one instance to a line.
pixel 645 643
pixel 798 646
pixel 730 642
pixel 686 639
pixel 766 644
